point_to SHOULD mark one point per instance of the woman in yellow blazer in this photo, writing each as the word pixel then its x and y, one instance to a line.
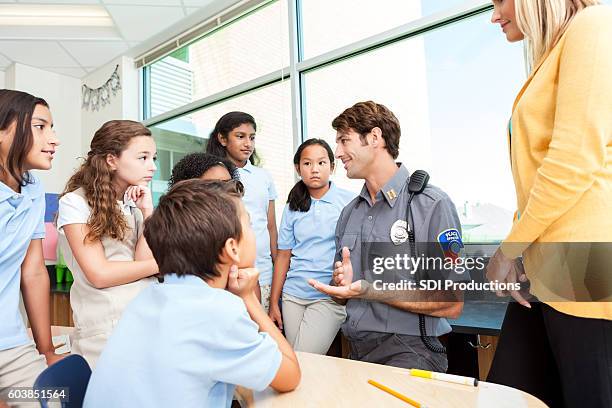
pixel 560 135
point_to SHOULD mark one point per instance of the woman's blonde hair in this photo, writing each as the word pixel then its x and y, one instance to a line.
pixel 543 22
pixel 96 178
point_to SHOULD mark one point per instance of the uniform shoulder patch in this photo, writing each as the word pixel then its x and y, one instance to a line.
pixel 451 243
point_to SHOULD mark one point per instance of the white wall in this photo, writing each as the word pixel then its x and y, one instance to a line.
pixel 123 105
pixel 75 126
pixel 63 94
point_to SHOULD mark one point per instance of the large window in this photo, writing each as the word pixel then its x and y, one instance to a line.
pixel 251 46
pixel 271 108
pixel 449 76
pixel 452 101
pixel 330 24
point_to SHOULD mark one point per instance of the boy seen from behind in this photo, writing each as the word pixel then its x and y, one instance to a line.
pixel 188 341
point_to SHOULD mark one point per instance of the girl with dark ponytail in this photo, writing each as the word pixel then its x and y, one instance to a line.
pixel 306 249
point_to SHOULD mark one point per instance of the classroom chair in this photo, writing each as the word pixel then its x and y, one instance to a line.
pixel 71 372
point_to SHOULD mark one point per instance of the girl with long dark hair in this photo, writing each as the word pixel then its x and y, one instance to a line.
pixel 27 142
pixel 234 138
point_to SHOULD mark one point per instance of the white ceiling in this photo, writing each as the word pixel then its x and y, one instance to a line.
pixel 76 51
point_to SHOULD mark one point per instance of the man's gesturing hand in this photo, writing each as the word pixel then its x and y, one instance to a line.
pixel 343 279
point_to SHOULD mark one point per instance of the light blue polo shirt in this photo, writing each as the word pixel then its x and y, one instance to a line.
pixel 258 191
pixel 182 343
pixel 310 237
pixel 22 219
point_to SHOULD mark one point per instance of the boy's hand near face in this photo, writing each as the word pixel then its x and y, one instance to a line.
pixel 242 282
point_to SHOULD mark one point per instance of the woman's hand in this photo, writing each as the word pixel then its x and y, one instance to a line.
pixel 142 197
pixel 506 270
pixel 499 267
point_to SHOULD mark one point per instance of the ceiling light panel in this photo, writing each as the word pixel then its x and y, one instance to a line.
pixel 54 15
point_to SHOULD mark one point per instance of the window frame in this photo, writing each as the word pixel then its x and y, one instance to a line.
pixel 298 66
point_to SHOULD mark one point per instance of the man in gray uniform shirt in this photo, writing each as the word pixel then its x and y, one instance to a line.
pixel 385 329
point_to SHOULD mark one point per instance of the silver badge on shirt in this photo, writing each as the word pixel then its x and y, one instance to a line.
pixel 399 232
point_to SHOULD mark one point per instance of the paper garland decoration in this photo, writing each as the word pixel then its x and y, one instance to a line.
pixel 94 99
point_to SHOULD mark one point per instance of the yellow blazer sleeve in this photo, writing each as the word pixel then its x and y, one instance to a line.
pixel 582 129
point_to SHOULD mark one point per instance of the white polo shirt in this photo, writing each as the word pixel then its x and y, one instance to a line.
pixel 97 311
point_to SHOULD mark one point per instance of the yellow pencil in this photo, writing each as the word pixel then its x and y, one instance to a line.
pixel 396 394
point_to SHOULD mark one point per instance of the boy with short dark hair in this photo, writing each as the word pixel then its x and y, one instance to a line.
pixel 188 341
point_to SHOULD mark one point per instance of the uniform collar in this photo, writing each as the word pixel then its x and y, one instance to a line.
pixel 247 167
pixel 127 204
pixel 5 192
pixel 30 190
pixel 190 280
pixel 330 194
pixel 392 189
